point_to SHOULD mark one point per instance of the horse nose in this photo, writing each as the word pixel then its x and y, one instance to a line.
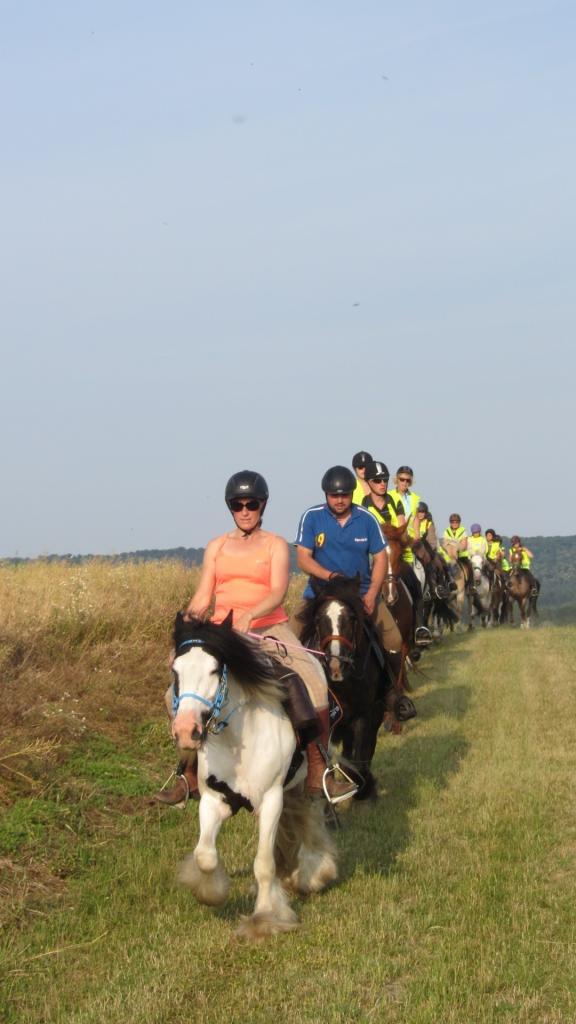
pixel 335 670
pixel 187 733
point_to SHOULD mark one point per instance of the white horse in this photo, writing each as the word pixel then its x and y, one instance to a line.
pixel 479 599
pixel 458 599
pixel 229 706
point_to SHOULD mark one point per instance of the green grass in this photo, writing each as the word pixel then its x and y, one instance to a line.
pixel 455 902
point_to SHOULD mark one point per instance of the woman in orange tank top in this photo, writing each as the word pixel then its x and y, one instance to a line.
pixel 247 572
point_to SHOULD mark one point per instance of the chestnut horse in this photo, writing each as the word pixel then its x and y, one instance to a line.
pixel 522 588
pixel 403 609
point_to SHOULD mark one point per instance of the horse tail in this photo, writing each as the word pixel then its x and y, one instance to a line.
pixel 304 852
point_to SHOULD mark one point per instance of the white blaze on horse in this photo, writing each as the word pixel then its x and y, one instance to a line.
pixel 230 707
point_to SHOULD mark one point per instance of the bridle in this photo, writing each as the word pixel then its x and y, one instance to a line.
pixel 214 724
pixel 348 645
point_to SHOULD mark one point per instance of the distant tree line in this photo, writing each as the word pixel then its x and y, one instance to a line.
pixel 554 563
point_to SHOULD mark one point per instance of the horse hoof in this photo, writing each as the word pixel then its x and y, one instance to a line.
pixel 262 926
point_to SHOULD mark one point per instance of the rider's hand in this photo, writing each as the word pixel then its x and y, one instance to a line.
pixel 369 602
pixel 243 623
pixel 195 612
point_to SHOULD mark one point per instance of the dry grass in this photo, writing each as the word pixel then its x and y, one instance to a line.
pixel 456 897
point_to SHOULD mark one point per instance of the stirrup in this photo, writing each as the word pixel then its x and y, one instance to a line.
pixel 423 636
pixel 181 804
pixel 330 772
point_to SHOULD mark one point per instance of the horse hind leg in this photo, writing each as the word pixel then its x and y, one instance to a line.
pixel 305 855
pixel 201 870
pixel 272 911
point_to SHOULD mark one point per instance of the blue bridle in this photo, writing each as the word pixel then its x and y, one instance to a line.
pixel 214 723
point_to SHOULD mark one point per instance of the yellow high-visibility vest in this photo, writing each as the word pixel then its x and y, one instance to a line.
pixel 526 560
pixel 415 499
pixel 458 534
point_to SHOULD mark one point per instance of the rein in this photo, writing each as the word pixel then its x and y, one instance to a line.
pixel 214 724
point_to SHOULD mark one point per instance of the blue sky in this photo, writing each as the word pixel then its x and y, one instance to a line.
pixel 268 235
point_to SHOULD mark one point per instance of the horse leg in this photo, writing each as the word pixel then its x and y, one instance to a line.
pixel 305 855
pixel 201 870
pixel 363 753
pixel 272 911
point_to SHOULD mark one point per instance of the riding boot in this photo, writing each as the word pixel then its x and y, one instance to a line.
pixel 185 788
pixel 422 635
pixel 338 789
pixel 396 670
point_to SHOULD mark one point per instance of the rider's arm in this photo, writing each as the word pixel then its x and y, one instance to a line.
pixel 379 572
pixel 308 564
pixel 279 578
pixel 200 602
pixel 527 550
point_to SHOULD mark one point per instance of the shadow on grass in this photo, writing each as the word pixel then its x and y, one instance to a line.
pixel 373 834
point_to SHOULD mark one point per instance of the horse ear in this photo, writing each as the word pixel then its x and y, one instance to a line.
pixel 227 622
pixel 178 627
pixel 357 581
pixel 317 585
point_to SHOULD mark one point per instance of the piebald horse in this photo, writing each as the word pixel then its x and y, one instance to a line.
pixel 230 707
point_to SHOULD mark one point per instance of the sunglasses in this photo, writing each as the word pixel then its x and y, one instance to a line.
pixel 405 479
pixel 379 480
pixel 237 504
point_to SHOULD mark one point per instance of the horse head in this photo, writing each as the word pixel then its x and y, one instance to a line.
pixel 397 538
pixel 477 564
pixel 451 548
pixel 338 613
pixel 516 560
pixel 207 655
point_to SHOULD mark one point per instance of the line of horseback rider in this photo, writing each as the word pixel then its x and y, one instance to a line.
pixel 361 532
pixel 401 506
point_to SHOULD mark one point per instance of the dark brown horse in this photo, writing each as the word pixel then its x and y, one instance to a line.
pixel 335 622
pixel 522 589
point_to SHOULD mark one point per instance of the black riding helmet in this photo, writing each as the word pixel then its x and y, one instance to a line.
pixel 338 480
pixel 361 459
pixel 375 468
pixel 246 484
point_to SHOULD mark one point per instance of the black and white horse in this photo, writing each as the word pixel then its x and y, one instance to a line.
pixel 229 706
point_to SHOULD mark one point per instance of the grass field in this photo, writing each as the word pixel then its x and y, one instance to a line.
pixel 456 898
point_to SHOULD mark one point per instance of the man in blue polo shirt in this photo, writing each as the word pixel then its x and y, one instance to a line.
pixel 339 538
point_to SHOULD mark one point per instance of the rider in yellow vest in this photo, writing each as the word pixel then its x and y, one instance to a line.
pixel 527 555
pixel 359 463
pixel 526 562
pixel 456 535
pixel 406 502
pixel 496 553
pixel 386 508
pixel 476 543
pixel 423 520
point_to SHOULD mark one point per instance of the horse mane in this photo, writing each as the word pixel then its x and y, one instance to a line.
pixel 256 672
pixel 399 533
pixel 341 588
